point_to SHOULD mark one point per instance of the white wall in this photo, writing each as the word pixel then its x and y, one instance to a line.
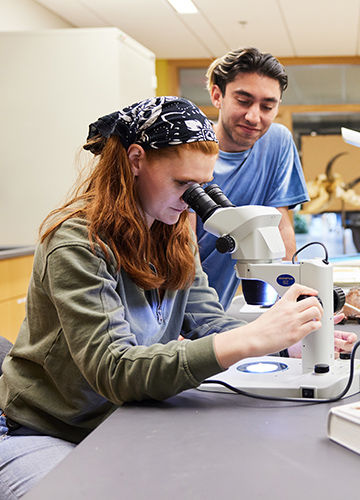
pixel 54 83
pixel 19 15
pixel 28 15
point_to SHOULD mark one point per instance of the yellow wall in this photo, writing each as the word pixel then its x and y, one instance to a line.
pixel 163 79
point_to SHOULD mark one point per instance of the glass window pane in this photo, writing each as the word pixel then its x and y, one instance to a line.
pixel 313 84
pixel 192 83
pixel 353 83
pixel 323 84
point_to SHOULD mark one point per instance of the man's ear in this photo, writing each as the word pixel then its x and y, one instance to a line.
pixel 216 96
pixel 136 155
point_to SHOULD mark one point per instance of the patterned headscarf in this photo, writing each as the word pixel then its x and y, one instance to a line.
pixel 155 123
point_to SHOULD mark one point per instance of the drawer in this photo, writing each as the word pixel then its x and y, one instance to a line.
pixel 15 276
pixel 12 314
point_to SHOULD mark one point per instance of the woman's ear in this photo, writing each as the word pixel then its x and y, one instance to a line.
pixel 136 155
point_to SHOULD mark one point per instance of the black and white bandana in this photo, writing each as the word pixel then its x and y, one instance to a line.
pixel 155 123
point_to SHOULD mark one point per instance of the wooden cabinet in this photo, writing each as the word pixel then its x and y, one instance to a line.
pixel 14 281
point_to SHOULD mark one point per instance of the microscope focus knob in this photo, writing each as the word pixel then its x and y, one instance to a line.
pixel 225 244
pixel 339 298
pixel 321 368
pixel 302 297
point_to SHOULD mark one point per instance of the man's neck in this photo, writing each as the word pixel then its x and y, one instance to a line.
pixel 226 144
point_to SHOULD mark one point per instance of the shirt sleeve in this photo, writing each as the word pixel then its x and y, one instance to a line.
pixel 99 339
pixel 288 187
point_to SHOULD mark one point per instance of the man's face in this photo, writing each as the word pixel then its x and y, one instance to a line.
pixel 161 182
pixel 246 111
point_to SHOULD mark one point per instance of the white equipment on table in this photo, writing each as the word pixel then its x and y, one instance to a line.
pixel 252 236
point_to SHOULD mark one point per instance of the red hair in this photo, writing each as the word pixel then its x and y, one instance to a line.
pixel 107 200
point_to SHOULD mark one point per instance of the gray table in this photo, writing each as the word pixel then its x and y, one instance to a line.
pixel 211 446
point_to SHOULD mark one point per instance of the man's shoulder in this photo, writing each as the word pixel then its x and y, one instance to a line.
pixel 278 137
pixel 277 130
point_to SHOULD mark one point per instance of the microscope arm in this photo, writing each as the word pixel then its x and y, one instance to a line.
pixel 317 347
pixel 254 240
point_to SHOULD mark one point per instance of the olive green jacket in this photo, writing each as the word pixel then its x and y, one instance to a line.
pixel 92 339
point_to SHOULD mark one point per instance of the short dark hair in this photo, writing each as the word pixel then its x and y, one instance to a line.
pixel 250 60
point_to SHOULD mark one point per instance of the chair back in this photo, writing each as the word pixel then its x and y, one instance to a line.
pixel 5 346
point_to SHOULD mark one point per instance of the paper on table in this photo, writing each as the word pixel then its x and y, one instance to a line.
pixel 351 136
pixel 346 275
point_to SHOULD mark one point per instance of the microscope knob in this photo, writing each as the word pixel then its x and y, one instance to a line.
pixel 225 244
pixel 302 297
pixel 321 368
pixel 339 298
pixel 345 355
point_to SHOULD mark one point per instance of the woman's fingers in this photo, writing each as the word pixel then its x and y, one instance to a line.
pixel 310 304
pixel 348 336
pixel 338 318
pixel 306 299
pixel 294 292
pixel 311 326
pixel 311 313
pixel 344 341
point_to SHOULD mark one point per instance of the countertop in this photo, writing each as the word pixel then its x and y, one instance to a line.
pixel 7 252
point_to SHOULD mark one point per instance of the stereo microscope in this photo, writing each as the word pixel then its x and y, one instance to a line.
pixel 252 237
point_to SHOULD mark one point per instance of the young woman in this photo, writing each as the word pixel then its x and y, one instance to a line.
pixel 116 280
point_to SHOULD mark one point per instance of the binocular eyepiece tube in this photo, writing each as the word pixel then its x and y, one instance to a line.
pixel 205 201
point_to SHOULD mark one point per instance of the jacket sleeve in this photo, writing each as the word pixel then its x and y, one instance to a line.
pixel 82 288
pixel 204 314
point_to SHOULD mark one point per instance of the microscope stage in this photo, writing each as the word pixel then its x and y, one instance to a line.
pixel 282 377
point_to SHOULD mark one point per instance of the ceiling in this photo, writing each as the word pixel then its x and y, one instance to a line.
pixel 285 28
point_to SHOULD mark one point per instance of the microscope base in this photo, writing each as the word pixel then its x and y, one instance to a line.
pixel 287 380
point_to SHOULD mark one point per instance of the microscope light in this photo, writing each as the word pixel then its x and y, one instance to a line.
pixel 262 367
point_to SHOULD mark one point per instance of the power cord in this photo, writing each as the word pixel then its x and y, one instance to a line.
pixel 294 400
pixel 325 260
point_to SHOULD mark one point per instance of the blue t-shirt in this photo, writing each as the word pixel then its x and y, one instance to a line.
pixel 268 174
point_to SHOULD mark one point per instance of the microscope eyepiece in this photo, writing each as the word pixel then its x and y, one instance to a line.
pixel 214 191
pixel 200 201
pixel 205 201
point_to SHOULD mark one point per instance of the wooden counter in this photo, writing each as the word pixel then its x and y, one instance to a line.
pixel 15 271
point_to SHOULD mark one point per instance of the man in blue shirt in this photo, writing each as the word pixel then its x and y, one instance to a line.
pixel 258 162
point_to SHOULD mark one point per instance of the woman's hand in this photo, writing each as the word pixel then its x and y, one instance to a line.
pixel 283 325
pixel 343 341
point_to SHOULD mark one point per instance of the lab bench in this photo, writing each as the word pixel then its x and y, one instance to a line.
pixel 208 446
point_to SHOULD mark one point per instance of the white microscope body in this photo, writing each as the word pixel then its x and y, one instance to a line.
pixel 258 253
pixel 252 237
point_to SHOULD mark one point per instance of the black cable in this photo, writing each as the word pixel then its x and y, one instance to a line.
pixel 325 260
pixel 294 400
